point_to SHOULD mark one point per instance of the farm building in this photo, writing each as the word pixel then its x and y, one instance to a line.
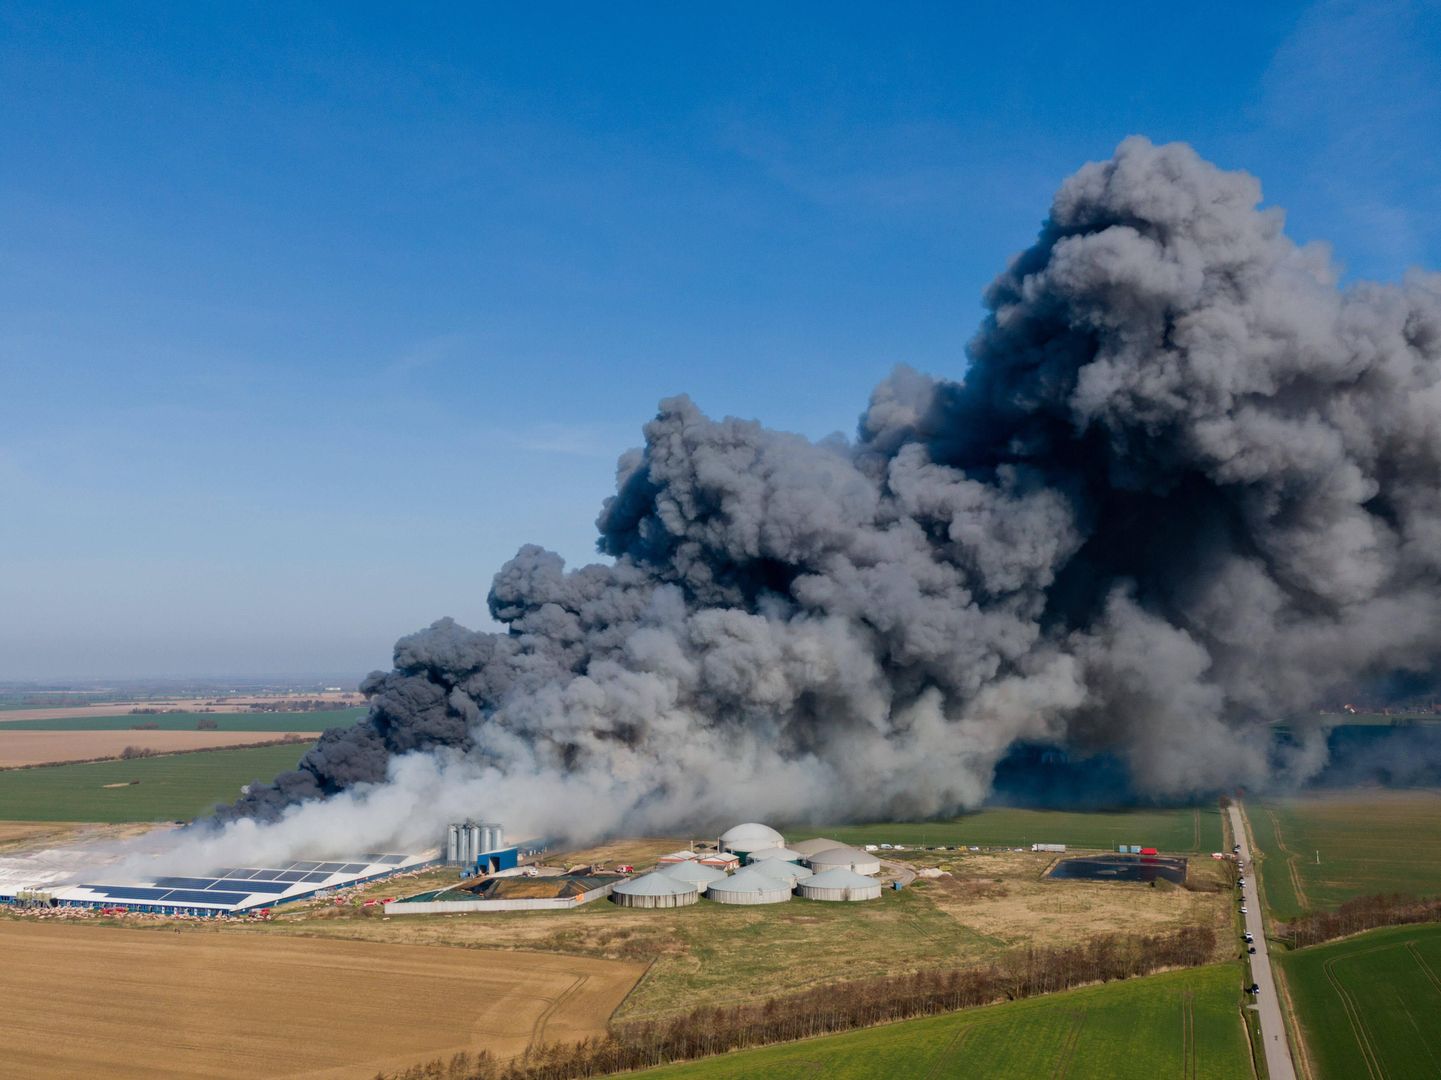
pixel 781 870
pixel 807 848
pixel 233 890
pixel 839 883
pixel 749 886
pixel 677 857
pixel 785 854
pixel 744 839
pixel 697 874
pixel 720 860
pixel 655 891
pixel 862 862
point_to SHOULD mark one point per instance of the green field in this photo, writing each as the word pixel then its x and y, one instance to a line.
pixel 1183 829
pixel 1183 1023
pixel 173 787
pixel 287 721
pixel 1368 1005
pixel 1366 842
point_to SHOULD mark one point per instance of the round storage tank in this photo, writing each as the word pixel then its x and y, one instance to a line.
pixel 839 883
pixel 807 848
pixel 655 891
pixel 849 858
pixel 785 854
pixel 749 886
pixel 781 870
pixel 700 876
pixel 752 836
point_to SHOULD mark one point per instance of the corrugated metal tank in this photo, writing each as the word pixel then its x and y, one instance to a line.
pixel 839 884
pixel 655 891
pixel 749 887
pixel 452 844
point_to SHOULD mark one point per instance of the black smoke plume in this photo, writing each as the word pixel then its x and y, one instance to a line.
pixel 1187 486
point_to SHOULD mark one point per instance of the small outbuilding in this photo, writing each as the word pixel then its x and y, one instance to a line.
pixel 676 856
pixel 698 874
pixel 655 891
pixel 839 883
pixel 720 860
pixel 849 858
pixel 750 886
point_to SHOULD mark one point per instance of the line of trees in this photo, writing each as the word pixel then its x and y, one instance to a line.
pixel 1362 913
pixel 836 1007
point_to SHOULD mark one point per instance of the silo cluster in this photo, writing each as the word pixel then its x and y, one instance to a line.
pixel 469 840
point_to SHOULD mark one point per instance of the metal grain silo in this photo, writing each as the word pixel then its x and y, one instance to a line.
pixel 452 844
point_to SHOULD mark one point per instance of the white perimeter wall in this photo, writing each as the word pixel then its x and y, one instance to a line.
pixel 482 907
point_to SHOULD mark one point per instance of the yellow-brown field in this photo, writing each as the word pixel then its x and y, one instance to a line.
pixel 43 747
pixel 101 1001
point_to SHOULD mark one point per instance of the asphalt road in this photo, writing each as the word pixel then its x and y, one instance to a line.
pixel 1268 1004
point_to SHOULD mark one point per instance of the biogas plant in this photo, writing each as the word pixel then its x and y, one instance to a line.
pixel 747 864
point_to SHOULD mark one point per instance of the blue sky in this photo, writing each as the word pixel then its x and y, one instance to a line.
pixel 309 316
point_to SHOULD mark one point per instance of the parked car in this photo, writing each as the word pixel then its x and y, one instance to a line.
pixel 1254 988
pixel 1251 949
pixel 1243 909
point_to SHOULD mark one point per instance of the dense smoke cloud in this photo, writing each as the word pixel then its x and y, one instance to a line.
pixel 1188 485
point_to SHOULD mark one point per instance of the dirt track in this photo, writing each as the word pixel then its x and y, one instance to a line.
pixel 95 1001
pixel 44 747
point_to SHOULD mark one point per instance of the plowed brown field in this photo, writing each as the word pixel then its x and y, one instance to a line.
pixel 44 747
pixel 95 1001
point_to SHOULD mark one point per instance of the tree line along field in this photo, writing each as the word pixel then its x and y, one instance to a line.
pixel 318 720
pixel 1170 829
pixel 1184 1023
pixel 1367 842
pixel 171 788
pixel 1367 1006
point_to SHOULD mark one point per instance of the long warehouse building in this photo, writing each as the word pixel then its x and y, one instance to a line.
pixel 232 890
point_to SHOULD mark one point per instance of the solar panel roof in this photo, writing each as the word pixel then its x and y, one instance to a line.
pixel 127 892
pixel 231 887
pixel 195 896
pixel 269 887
